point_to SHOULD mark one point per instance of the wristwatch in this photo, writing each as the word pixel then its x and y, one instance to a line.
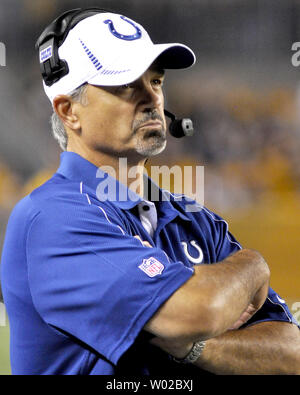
pixel 194 354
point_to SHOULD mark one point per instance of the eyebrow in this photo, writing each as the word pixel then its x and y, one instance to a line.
pixel 158 70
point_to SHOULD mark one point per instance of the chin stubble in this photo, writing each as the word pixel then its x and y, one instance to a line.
pixel 152 142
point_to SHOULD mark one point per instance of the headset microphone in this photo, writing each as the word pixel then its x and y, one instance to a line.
pixel 180 127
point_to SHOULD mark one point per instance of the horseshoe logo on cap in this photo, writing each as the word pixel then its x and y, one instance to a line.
pixel 195 245
pixel 132 37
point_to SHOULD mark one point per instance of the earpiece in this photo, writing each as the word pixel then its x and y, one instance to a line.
pixel 53 68
pixel 180 127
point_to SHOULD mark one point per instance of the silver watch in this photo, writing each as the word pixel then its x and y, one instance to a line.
pixel 194 354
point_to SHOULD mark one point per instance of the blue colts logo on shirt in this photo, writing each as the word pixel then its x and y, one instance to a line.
pixel 195 260
pixel 136 36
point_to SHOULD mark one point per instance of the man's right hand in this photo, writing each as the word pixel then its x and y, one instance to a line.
pixel 253 307
pixel 217 298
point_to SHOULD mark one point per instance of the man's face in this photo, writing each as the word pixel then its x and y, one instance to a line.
pixel 125 121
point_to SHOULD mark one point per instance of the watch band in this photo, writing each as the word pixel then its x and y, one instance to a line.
pixel 194 354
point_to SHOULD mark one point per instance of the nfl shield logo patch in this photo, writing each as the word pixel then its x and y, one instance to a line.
pixel 152 267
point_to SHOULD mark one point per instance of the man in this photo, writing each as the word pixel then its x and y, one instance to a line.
pixel 97 285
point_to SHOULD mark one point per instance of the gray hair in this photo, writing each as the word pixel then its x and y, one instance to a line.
pixel 58 129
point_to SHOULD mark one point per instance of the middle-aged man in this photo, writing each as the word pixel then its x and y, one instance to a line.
pixel 128 285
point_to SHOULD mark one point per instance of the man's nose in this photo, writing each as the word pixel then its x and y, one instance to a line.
pixel 150 97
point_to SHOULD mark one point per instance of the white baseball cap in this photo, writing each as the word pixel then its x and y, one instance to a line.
pixel 108 49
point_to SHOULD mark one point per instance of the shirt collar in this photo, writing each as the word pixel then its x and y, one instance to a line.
pixel 76 168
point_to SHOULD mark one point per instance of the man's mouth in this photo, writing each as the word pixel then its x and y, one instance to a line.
pixel 152 125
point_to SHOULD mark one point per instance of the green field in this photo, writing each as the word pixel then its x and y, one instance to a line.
pixel 4 351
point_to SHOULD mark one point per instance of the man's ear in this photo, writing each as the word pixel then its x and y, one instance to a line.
pixel 64 107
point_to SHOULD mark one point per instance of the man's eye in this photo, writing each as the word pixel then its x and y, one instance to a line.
pixel 126 86
pixel 123 88
pixel 157 82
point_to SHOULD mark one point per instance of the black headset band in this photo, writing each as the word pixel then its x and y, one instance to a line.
pixel 61 26
pixel 54 68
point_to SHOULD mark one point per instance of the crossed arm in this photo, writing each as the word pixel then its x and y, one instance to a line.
pixel 264 348
pixel 216 299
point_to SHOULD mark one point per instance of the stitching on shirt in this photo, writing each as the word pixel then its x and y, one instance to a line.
pixel 227 227
pixel 87 196
pixel 88 199
pixel 89 202
pixel 278 304
pixel 104 212
pixel 178 196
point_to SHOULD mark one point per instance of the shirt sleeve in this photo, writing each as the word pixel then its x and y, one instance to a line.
pixel 91 280
pixel 274 308
pixel 224 243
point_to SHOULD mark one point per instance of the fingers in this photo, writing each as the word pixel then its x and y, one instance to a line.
pixel 257 302
pixel 260 297
pixel 145 243
pixel 245 316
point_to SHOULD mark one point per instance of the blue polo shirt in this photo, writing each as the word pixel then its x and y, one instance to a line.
pixel 79 287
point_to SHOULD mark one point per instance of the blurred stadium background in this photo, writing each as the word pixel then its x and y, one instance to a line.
pixel 243 95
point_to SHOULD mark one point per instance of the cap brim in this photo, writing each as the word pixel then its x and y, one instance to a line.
pixel 175 56
pixel 169 56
